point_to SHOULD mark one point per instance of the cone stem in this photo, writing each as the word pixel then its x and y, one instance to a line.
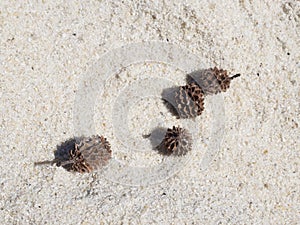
pixel 235 76
pixel 44 162
pixel 57 161
pixel 66 162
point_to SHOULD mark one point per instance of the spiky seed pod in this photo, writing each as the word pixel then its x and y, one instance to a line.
pixel 177 141
pixel 90 154
pixel 196 93
pixel 189 101
pixel 213 80
pixel 84 155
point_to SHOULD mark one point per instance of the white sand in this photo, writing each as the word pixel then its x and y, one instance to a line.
pixel 47 50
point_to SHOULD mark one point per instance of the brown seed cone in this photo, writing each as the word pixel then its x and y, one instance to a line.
pixel 213 80
pixel 177 141
pixel 90 154
pixel 189 101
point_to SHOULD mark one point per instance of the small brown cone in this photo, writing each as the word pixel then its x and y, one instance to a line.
pixel 177 141
pixel 85 155
pixel 213 80
pixel 189 101
pixel 92 153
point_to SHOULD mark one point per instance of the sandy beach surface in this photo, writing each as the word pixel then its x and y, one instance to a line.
pixel 99 67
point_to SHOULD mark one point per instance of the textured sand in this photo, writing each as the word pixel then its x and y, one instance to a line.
pixel 47 50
